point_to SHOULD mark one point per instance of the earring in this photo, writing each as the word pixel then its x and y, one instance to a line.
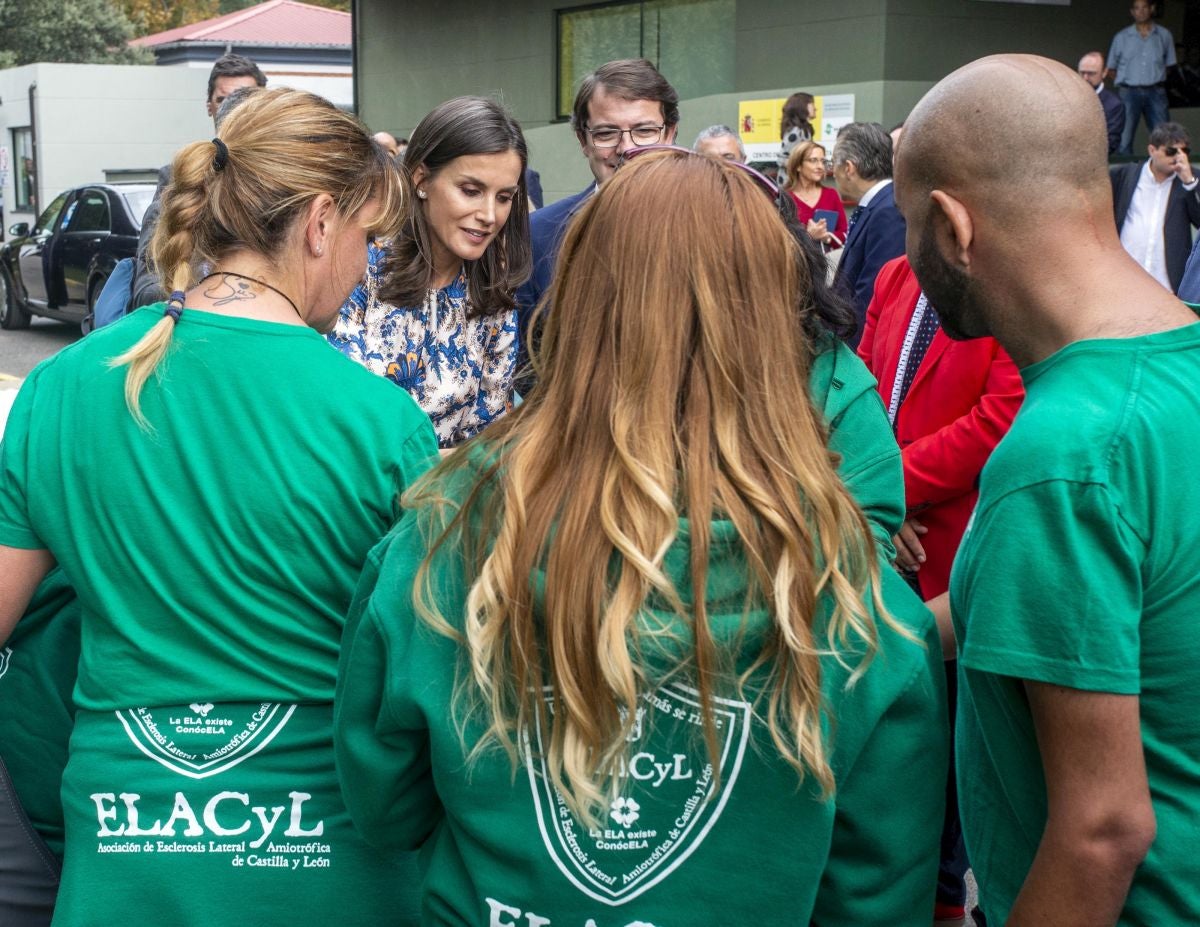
pixel 422 194
pixel 318 250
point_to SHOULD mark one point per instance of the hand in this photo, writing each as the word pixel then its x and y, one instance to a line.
pixel 1182 168
pixel 818 231
pixel 909 552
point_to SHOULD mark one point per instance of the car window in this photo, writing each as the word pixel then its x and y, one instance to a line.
pixel 49 215
pixel 90 213
pixel 139 201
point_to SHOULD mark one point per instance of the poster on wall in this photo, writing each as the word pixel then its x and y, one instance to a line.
pixel 759 123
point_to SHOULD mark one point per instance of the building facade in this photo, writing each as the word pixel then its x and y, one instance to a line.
pixel 885 53
pixel 62 125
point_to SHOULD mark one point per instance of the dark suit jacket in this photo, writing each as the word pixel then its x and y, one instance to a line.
pixel 533 186
pixel 546 229
pixel 961 401
pixel 1183 212
pixel 877 236
pixel 1114 116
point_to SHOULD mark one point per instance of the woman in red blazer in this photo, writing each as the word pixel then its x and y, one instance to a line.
pixel 960 404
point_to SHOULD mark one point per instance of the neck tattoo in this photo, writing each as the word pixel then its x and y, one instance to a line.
pixel 224 293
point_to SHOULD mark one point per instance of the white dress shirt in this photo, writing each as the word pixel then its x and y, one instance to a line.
pixel 1142 233
pixel 865 201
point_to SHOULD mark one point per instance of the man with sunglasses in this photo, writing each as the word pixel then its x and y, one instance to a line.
pixel 621 105
pixel 1157 203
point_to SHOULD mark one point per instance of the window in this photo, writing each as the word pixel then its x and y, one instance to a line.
pixel 91 214
pixel 690 41
pixel 45 222
pixel 138 202
pixel 24 176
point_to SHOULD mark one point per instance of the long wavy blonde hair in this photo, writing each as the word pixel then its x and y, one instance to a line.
pixel 673 378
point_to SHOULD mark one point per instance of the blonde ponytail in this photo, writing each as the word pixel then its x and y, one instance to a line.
pixel 246 189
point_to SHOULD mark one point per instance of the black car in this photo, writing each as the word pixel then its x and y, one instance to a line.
pixel 57 268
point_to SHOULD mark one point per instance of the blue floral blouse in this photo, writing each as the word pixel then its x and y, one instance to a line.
pixel 458 368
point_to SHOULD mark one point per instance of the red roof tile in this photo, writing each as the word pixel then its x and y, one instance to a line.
pixel 276 22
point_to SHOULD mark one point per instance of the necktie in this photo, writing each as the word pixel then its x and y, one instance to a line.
pixel 854 213
pixel 921 329
pixel 926 329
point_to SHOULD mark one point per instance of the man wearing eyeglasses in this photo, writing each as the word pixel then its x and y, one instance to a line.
pixel 621 105
pixel 1091 69
pixel 1157 203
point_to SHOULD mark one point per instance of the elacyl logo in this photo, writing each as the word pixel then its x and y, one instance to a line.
pixel 669 797
pixel 5 658
pixel 202 739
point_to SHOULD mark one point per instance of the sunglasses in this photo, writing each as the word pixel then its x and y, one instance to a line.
pixel 767 185
pixel 1172 150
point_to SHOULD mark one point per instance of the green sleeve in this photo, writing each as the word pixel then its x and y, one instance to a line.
pixel 418 455
pixel 381 740
pixel 883 857
pixel 859 432
pixel 15 527
pixel 1050 589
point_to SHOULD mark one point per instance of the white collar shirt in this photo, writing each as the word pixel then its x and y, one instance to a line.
pixel 1142 232
pixel 870 194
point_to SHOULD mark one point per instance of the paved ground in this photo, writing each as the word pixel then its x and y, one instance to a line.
pixel 21 350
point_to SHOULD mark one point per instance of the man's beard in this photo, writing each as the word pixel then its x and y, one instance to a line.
pixel 951 292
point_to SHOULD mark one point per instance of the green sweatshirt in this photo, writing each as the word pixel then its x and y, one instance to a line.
pixel 37 673
pixel 844 390
pixel 680 845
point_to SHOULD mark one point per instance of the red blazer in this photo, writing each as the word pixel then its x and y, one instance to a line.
pixel 960 404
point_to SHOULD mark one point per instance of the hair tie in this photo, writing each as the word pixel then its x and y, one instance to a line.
pixel 221 158
pixel 175 305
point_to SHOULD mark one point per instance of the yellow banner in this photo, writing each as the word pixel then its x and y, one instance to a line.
pixel 758 121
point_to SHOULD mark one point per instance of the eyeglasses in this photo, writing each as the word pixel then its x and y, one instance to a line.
pixel 824 162
pixel 768 186
pixel 610 136
pixel 1172 150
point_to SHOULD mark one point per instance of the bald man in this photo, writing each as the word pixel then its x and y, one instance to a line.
pixel 387 142
pixel 1075 596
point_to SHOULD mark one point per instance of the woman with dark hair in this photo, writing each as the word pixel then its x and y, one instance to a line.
pixel 795 123
pixel 795 126
pixel 435 313
pixel 212 503
pixel 639 630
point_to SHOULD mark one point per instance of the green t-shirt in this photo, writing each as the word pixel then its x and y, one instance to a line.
pixel 674 849
pixel 1080 568
pixel 214 556
pixel 871 466
pixel 37 673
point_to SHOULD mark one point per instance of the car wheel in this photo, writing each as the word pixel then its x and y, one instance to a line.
pixel 12 315
pixel 89 320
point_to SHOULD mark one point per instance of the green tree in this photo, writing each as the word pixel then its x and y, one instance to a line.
pixel 151 16
pixel 74 31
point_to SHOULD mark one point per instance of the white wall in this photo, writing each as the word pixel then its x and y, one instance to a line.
pixel 334 82
pixel 97 118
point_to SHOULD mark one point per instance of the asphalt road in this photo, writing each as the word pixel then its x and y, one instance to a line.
pixel 23 349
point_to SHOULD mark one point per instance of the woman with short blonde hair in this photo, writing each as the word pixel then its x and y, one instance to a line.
pixel 637 632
